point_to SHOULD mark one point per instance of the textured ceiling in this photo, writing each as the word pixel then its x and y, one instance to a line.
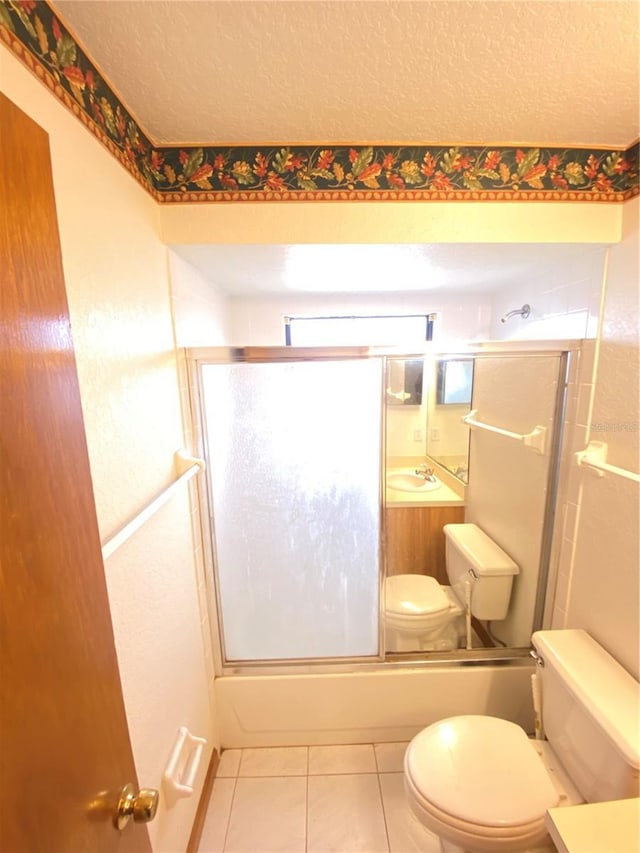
pixel 548 72
pixel 454 268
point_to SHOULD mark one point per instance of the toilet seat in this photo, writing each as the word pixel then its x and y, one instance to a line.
pixel 478 781
pixel 414 596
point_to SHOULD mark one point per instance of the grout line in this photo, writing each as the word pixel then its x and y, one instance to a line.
pixel 306 813
pixel 384 813
pixel 276 775
pixel 226 830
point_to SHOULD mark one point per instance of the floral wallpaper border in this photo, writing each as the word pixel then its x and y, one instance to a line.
pixel 174 174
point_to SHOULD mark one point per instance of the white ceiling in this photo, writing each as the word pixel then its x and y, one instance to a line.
pixel 452 268
pixel 544 72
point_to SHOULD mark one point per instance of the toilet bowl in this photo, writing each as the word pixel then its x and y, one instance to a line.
pixel 491 792
pixel 420 614
pixel 482 786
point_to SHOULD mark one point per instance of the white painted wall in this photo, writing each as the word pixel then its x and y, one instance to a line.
pixel 598 585
pixel 117 285
pixel 200 310
pixel 565 301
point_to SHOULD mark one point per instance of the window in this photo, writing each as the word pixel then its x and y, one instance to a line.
pixel 372 330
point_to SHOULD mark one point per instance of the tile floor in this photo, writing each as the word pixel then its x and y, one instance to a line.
pixel 313 799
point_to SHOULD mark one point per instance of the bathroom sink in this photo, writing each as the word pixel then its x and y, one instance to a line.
pixel 408 481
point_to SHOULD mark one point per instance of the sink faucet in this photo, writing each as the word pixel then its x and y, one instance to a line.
pixel 426 472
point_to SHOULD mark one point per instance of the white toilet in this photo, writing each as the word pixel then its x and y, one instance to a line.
pixel 422 614
pixel 481 784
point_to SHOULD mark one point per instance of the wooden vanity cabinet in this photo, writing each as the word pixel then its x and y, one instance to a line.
pixel 415 541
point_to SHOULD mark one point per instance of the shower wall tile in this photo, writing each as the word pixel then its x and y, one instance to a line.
pixel 559 620
pixel 588 360
pixel 563 584
pixel 603 565
pixel 564 299
pixel 570 520
pixel 574 483
pixel 583 411
pixel 578 438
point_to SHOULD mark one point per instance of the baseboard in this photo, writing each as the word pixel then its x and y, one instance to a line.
pixel 203 804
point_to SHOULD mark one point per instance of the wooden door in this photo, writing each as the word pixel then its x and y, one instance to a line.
pixel 65 742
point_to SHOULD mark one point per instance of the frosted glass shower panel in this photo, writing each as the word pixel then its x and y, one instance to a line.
pixel 294 461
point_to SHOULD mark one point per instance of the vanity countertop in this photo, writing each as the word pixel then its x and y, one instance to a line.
pixel 612 827
pixel 443 496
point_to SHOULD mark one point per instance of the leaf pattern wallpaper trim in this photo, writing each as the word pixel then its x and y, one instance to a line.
pixel 175 174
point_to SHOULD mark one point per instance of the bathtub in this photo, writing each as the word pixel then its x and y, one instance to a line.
pixel 383 704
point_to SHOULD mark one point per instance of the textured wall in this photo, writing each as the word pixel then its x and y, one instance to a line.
pixel 598 585
pixel 116 275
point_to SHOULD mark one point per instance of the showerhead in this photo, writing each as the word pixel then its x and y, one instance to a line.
pixel 518 312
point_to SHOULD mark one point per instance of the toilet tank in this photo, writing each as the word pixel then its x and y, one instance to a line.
pixel 472 557
pixel 590 714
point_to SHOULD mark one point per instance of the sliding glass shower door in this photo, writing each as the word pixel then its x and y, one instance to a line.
pixel 294 452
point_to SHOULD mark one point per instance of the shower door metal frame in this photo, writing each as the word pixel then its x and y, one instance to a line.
pixel 195 358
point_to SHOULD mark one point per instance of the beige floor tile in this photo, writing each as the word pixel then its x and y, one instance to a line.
pixel 390 756
pixel 229 763
pixel 406 833
pixel 268 815
pixel 357 758
pixel 274 761
pixel 345 815
pixel 217 819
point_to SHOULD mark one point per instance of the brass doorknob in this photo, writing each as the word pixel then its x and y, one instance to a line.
pixel 142 807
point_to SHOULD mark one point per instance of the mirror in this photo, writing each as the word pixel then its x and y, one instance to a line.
pixel 454 380
pixel 405 379
pixel 449 400
pixel 428 449
pixel 424 442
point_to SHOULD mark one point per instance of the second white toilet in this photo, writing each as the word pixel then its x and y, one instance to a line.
pixel 482 786
pixel 421 614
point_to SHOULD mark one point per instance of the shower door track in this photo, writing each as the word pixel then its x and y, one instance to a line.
pixel 399 662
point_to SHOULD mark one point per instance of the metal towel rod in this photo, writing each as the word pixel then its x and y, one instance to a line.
pixel 187 466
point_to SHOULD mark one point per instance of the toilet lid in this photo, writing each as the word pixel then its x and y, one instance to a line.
pixel 482 770
pixel 414 595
